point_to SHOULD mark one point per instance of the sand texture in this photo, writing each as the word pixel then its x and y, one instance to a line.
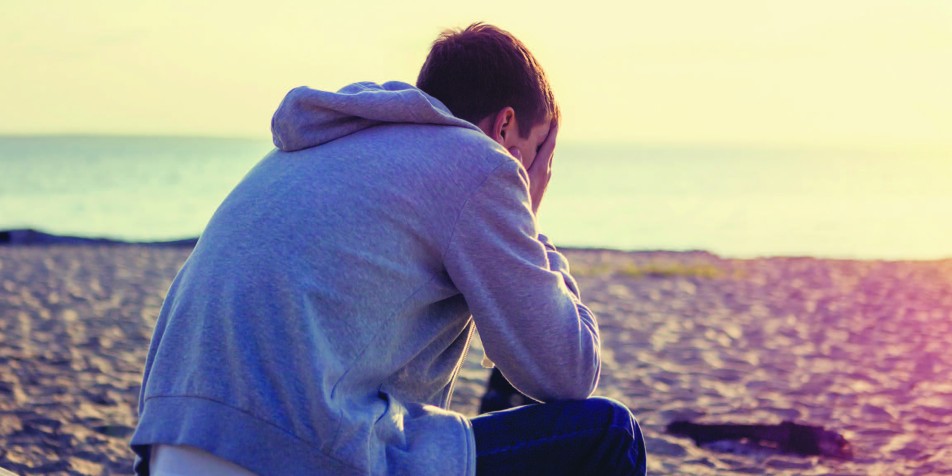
pixel 861 347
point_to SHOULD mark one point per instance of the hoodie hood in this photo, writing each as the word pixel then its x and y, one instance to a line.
pixel 308 117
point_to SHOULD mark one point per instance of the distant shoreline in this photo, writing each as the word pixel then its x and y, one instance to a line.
pixel 29 236
pixel 34 237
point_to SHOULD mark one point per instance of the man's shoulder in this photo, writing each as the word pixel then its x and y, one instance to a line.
pixel 470 149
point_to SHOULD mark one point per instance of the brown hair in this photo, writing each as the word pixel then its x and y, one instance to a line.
pixel 481 69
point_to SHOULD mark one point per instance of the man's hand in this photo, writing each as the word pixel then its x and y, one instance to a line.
pixel 540 169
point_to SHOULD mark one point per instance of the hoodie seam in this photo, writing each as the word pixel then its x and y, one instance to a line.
pixel 462 209
pixel 373 339
pixel 250 414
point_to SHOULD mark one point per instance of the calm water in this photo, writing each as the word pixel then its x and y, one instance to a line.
pixel 734 202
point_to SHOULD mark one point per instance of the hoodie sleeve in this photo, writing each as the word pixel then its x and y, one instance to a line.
pixel 525 303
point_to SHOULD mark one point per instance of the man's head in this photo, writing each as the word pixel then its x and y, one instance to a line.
pixel 488 77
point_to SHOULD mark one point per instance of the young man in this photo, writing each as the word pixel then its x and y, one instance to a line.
pixel 320 322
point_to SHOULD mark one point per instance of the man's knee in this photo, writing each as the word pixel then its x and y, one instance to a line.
pixel 623 445
pixel 616 417
pixel 610 407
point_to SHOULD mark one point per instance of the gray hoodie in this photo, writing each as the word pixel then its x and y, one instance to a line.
pixel 320 322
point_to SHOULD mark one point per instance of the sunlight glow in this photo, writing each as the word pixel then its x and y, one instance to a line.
pixel 857 72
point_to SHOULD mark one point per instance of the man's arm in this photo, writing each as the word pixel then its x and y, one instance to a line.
pixel 523 299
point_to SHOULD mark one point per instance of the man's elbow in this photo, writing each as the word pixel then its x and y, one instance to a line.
pixel 577 385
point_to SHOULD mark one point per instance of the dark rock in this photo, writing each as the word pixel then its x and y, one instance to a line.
pixel 788 437
pixel 117 431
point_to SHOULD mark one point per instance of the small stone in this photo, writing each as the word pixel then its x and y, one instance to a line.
pixel 118 431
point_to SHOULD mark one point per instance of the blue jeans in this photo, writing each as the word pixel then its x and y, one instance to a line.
pixel 596 436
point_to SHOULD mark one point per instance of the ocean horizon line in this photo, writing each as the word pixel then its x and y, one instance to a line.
pixel 606 143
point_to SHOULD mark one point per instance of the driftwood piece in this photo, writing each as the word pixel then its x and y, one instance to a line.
pixel 790 437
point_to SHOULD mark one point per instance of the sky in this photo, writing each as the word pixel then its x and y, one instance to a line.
pixel 853 73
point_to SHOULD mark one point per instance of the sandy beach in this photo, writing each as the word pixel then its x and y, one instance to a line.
pixel 860 347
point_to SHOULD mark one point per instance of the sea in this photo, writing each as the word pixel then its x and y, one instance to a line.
pixel 739 202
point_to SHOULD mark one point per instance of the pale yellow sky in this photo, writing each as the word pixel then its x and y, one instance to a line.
pixel 809 72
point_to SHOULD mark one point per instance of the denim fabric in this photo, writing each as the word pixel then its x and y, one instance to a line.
pixel 596 436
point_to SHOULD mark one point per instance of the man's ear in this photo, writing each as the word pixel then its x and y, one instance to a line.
pixel 503 125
